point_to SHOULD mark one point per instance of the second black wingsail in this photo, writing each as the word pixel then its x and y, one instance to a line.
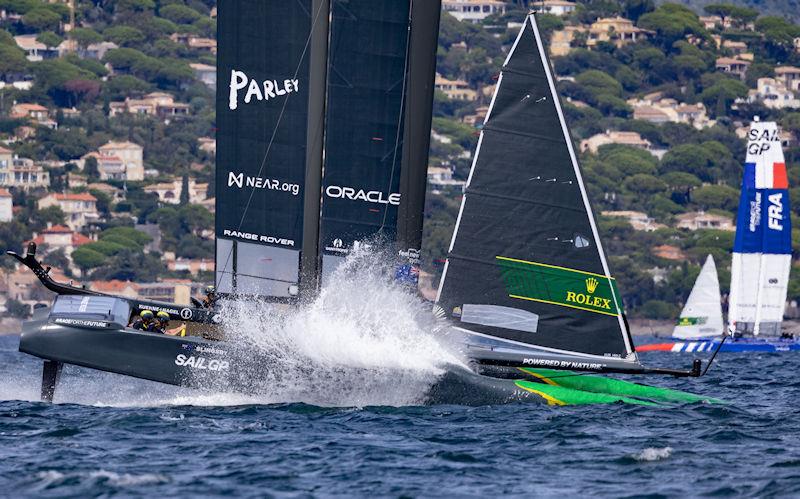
pixel 526 264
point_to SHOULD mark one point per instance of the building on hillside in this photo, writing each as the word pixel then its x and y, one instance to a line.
pixel 33 112
pixel 125 161
pixel 207 144
pixel 111 191
pixel 473 10
pixel 206 74
pixel 442 176
pixel 6 206
pixel 617 31
pixel 711 22
pixel 773 94
pixel 116 287
pixel 661 110
pixel 699 220
pixel 638 220
pixel 790 76
pixel 476 118
pixel 170 192
pixel 614 137
pixel 193 266
pixel 59 237
pixel 195 42
pixel 21 172
pixel 561 40
pixel 79 209
pixel 170 290
pixel 24 286
pixel 554 7
pixel 75 180
pixel 35 51
pixel 669 252
pixel 159 104
pixel 735 66
pixel 455 89
pixel 96 50
pixel 734 47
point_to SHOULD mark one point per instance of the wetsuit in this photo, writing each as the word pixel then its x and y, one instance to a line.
pixel 141 326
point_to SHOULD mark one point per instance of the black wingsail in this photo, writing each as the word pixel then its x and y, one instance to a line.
pixel 269 117
pixel 369 91
pixel 525 264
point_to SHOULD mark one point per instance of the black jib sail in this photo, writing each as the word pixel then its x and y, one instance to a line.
pixel 269 115
pixel 369 91
pixel 525 264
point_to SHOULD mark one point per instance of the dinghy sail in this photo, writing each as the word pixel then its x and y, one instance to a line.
pixel 763 245
pixel 701 317
pixel 526 265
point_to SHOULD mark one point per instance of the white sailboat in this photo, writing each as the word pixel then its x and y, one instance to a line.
pixel 701 317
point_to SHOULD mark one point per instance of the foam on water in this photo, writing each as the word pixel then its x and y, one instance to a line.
pixel 363 340
pixel 653 454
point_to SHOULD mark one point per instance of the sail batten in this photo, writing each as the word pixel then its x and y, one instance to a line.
pixel 525 237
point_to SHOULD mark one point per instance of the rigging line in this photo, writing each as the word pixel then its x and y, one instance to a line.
pixel 274 133
pixel 400 114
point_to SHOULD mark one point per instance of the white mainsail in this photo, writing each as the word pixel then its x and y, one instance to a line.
pixel 701 317
pixel 762 249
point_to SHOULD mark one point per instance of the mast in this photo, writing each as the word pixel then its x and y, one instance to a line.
pixel 317 81
pixel 423 42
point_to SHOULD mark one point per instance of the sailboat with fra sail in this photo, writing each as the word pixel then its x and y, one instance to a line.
pixel 526 281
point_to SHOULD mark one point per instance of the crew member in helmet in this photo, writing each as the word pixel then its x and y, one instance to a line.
pixel 162 320
pixel 211 297
pixel 145 321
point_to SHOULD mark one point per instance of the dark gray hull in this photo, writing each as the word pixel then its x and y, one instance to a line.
pixel 144 355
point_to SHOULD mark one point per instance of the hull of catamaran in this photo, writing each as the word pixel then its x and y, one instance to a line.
pixel 195 362
pixel 739 345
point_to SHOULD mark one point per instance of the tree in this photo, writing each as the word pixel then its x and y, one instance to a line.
pixel 17 309
pixel 184 198
pixel 49 38
pixel 681 184
pixel 124 35
pixel 644 184
pixel 85 37
pixel 12 60
pixel 50 215
pixel 672 22
pixel 87 258
pixel 721 197
pixel 42 19
pixel 179 14
pixel 90 168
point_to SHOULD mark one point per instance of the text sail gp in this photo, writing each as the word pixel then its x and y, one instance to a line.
pixel 763 244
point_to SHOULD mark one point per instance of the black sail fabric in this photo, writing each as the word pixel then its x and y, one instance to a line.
pixel 364 123
pixel 262 108
pixel 525 263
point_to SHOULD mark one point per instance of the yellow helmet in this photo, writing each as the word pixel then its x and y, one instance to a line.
pixel 146 315
pixel 162 316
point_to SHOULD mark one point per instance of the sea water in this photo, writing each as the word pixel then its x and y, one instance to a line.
pixel 345 417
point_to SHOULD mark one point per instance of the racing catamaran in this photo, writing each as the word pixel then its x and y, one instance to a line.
pixel 526 281
pixel 762 254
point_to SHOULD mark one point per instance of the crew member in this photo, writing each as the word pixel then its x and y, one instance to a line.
pixel 211 297
pixel 145 321
pixel 162 319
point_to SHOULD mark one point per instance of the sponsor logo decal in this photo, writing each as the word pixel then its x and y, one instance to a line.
pixel 201 363
pixel 691 321
pixel 240 180
pixel 258 237
pixel 569 364
pixel 337 246
pixel 186 313
pixel 755 212
pixel 775 211
pixel 353 194
pixel 262 91
pixel 81 323
pixel 154 308
pixel 561 286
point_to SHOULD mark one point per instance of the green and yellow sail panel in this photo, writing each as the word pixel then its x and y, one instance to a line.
pixel 561 286
pixel 526 264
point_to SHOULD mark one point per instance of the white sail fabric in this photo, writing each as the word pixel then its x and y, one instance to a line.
pixel 763 245
pixel 701 317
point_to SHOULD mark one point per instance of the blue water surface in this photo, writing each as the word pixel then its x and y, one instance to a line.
pixel 137 438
